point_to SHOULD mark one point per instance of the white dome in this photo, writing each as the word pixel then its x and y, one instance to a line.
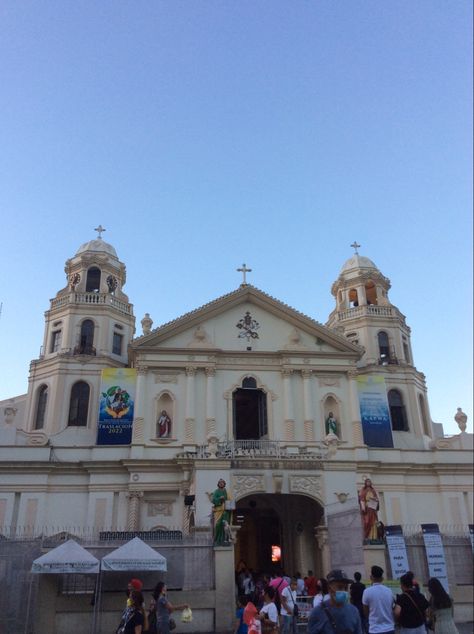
pixel 97 245
pixel 358 262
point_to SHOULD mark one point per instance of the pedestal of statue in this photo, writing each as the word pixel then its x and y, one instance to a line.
pixel 374 555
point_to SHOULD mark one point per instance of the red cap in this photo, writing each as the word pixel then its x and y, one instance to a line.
pixel 136 584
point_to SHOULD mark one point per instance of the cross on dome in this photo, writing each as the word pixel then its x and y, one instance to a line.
pixel 355 246
pixel 244 270
pixel 100 229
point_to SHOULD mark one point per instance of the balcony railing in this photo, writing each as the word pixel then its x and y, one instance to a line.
pixel 253 449
pixel 87 350
pixel 371 310
pixel 91 298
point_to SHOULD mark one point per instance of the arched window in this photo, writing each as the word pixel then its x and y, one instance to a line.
pixel 93 280
pixel 86 341
pixel 384 349
pixel 353 298
pixel 250 411
pixel 371 292
pixel 41 407
pixel 79 404
pixel 249 383
pixel 398 413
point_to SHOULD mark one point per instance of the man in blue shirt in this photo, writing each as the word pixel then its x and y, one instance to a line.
pixel 336 616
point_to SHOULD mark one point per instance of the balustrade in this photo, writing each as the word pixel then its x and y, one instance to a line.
pixel 91 298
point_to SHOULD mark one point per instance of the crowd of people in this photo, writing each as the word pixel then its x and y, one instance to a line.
pixel 137 619
pixel 272 604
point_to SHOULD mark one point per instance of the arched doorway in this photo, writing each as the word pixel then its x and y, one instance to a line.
pixel 249 411
pixel 269 521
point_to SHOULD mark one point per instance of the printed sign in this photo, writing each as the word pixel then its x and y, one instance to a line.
pixel 374 411
pixel 116 406
pixel 396 550
pixel 435 553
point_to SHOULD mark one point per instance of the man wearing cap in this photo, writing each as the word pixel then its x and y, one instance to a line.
pixel 378 604
pixel 336 616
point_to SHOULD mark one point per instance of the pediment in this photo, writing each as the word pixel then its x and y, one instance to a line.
pixel 246 318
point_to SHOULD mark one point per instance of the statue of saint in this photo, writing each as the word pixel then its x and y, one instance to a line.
pixel 331 424
pixel 163 425
pixel 369 505
pixel 220 514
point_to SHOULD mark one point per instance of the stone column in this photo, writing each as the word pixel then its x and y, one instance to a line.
pixel 190 414
pixel 354 412
pixel 322 537
pixel 210 402
pixel 361 296
pixel 289 421
pixel 138 434
pixel 133 514
pixel 308 406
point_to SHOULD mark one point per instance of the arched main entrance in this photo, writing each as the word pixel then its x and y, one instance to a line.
pixel 286 521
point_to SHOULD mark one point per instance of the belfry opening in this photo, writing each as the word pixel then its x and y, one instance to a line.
pixel 278 532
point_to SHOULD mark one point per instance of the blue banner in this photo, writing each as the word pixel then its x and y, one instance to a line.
pixel 435 553
pixel 116 406
pixel 397 550
pixel 374 411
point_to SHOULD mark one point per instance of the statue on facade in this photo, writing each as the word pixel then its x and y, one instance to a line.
pixel 331 424
pixel 461 419
pixel 369 505
pixel 221 515
pixel 163 425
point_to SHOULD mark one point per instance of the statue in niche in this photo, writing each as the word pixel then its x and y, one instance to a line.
pixel 163 425
pixel 331 424
pixel 369 505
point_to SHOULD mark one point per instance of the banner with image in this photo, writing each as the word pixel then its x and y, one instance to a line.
pixel 116 406
pixel 397 550
pixel 435 553
pixel 374 411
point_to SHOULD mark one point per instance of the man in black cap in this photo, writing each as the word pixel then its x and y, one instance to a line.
pixel 337 615
pixel 378 604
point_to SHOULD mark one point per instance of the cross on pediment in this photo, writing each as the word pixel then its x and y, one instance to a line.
pixel 244 270
pixel 100 229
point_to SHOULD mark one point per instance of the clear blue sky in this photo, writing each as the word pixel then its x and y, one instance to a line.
pixel 204 134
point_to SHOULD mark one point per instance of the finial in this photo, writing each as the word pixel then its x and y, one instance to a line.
pixel 244 270
pixel 355 246
pixel 100 229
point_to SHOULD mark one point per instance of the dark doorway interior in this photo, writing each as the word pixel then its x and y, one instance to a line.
pixel 250 414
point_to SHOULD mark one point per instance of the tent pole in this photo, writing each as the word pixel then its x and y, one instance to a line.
pixel 28 604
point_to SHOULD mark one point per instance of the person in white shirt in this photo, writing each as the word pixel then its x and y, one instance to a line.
pixel 378 604
pixel 323 593
pixel 287 610
pixel 269 614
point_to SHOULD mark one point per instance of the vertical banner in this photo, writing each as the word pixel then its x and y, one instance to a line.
pixel 116 406
pixel 396 550
pixel 435 553
pixel 471 535
pixel 374 411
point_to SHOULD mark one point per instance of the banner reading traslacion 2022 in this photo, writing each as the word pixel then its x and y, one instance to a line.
pixel 116 406
pixel 374 411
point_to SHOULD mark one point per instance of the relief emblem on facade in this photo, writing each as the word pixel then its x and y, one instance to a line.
pixel 159 507
pixel 310 485
pixel 248 327
pixel 242 485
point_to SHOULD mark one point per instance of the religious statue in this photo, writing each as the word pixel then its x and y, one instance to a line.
pixel 163 425
pixel 221 515
pixel 331 424
pixel 461 419
pixel 369 505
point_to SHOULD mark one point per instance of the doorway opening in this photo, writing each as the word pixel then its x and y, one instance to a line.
pixel 249 411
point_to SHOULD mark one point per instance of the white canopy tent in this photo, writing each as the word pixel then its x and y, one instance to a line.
pixel 68 558
pixel 134 556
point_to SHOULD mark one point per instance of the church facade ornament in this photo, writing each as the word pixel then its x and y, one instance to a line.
pixel 248 327
pixel 309 484
pixel 243 485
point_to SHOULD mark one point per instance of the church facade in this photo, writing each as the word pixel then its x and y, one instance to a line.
pixel 244 388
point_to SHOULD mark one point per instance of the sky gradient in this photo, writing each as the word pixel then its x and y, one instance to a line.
pixel 204 134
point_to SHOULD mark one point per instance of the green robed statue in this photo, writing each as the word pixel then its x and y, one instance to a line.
pixel 221 515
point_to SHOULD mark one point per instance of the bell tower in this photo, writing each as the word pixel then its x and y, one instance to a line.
pixel 88 328
pixel 365 315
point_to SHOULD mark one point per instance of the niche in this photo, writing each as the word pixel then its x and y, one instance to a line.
pixel 332 417
pixel 164 417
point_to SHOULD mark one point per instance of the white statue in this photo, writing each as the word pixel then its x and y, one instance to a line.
pixel 461 419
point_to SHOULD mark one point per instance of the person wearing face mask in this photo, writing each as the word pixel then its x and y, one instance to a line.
pixel 336 615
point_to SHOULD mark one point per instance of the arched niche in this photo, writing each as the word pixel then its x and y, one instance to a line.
pixel 331 407
pixel 165 415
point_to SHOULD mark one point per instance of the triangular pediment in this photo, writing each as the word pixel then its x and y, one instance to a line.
pixel 246 318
